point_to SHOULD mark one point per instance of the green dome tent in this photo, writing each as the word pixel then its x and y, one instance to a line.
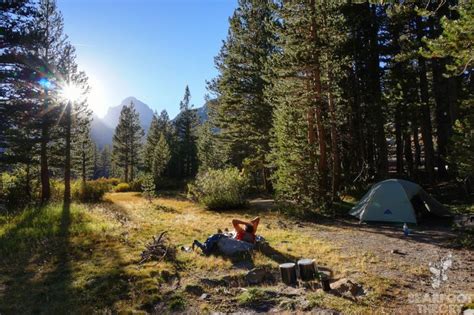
pixel 396 200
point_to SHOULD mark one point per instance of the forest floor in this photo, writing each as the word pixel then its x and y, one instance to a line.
pixel 86 259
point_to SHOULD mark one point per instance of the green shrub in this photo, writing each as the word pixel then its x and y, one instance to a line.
pixel 148 187
pixel 57 190
pixel 111 182
pixel 13 190
pixel 91 191
pixel 136 184
pixel 122 187
pixel 220 189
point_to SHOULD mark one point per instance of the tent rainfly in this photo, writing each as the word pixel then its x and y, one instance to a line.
pixel 392 200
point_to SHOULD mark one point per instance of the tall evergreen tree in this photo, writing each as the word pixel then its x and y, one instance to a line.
pixel 299 148
pixel 243 115
pixel 209 155
pixel 84 155
pixel 160 125
pixel 160 158
pixel 74 123
pixel 49 25
pixel 127 141
pixel 455 43
pixel 104 162
pixel 185 124
pixel 19 89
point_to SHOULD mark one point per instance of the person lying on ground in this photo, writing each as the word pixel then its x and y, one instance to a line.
pixel 246 234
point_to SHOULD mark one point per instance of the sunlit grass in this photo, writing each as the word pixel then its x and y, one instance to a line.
pixel 89 262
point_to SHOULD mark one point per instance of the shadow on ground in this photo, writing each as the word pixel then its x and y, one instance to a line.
pixel 40 276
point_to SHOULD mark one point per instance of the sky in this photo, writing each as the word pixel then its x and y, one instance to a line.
pixel 150 49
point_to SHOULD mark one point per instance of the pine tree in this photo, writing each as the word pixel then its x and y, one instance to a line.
pixel 104 162
pixel 74 123
pixel 160 125
pixel 455 42
pixel 185 155
pixel 21 95
pixel 84 154
pixel 51 43
pixel 160 158
pixel 297 97
pixel 19 92
pixel 209 155
pixel 152 138
pixel 243 115
pixel 126 142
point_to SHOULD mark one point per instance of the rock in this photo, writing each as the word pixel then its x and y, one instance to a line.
pixel 258 275
pixel 305 305
pixel 345 286
pixel 204 296
pixel 194 289
pixel 290 291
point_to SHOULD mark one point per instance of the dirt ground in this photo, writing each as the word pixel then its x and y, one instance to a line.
pixel 406 259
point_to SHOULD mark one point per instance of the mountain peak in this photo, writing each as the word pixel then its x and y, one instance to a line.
pixel 127 100
pixel 144 111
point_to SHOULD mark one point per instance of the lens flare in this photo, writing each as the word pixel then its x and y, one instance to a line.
pixel 71 92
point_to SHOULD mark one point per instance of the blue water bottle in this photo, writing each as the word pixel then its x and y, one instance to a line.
pixel 406 231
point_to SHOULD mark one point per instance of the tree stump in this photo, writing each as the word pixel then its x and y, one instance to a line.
pixel 288 273
pixel 307 269
pixel 325 282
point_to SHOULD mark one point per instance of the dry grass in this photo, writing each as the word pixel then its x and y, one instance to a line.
pixel 93 265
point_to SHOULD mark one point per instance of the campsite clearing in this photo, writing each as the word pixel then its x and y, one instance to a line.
pixel 87 260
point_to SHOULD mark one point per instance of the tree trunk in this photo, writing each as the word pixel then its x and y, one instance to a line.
pixel 445 92
pixel 67 159
pixel 44 170
pixel 425 118
pixel 317 88
pixel 443 115
pixel 357 143
pixel 408 154
pixel 416 144
pixel 374 68
pixel 399 139
pixel 370 152
pixel 336 159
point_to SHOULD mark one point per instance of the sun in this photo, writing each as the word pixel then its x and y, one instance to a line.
pixel 71 92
